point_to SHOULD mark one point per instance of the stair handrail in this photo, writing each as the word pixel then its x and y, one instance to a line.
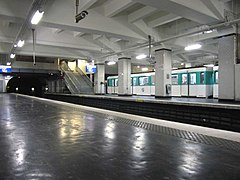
pixel 65 68
pixel 85 77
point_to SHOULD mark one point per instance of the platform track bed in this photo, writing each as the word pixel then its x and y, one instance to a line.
pixel 221 118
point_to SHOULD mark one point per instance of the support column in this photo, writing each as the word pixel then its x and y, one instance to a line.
pixel 163 69
pixel 124 76
pixel 227 62
pixel 99 79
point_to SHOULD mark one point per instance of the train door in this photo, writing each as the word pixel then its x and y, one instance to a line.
pixel 134 85
pixel 116 86
pixel 215 85
pixel 193 88
pixel 175 85
pixel 152 86
pixel 185 84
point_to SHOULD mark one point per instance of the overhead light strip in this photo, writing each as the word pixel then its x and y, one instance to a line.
pixel 37 17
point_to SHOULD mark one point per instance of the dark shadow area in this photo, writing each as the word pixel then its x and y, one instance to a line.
pixel 30 85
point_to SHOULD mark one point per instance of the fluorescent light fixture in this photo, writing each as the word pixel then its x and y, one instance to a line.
pixel 209 31
pixel 12 56
pixel 141 56
pixel 8 63
pixel 37 17
pixel 111 63
pixel 145 69
pixel 20 43
pixel 209 65
pixel 193 47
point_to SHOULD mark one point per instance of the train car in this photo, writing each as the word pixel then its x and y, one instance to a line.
pixel 192 82
pixel 143 84
pixel 112 85
pixel 215 82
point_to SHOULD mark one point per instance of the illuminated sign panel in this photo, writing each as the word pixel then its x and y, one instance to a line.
pixel 5 69
pixel 91 68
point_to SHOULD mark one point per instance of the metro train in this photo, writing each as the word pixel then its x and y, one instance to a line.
pixel 191 82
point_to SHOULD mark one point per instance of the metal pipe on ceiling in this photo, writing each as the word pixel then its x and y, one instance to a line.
pixel 211 27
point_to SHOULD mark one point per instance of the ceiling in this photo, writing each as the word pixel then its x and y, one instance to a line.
pixel 116 28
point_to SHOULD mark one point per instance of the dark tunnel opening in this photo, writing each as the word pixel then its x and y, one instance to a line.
pixel 29 85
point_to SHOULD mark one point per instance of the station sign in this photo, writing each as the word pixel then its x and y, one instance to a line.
pixel 91 68
pixel 5 69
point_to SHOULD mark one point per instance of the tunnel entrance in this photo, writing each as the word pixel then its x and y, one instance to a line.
pixel 27 84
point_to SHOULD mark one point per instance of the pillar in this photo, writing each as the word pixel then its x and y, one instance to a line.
pixel 163 69
pixel 99 79
pixel 1 83
pixel 227 62
pixel 124 76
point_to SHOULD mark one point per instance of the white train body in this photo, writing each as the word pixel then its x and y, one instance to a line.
pixel 192 82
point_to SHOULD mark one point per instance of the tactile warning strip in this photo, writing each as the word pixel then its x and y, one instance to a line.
pixel 204 139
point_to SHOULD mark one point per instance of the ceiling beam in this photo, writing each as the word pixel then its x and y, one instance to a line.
pixel 116 6
pixel 86 4
pixel 141 13
pixel 216 7
pixel 163 20
pixel 194 10
pixel 147 30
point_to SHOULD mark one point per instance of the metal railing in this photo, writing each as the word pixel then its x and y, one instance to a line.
pixel 76 82
pixel 85 77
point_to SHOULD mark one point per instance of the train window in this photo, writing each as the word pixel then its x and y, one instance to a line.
pixel 175 79
pixel 134 81
pixel 143 81
pixel 109 82
pixel 116 82
pixel 216 77
pixel 202 78
pixel 112 82
pixel 184 79
pixel 193 78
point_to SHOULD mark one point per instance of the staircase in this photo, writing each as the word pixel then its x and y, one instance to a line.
pixel 77 82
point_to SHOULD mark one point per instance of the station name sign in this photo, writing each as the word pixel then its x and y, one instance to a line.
pixel 5 69
pixel 91 68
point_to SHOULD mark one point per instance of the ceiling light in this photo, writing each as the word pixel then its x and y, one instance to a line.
pixel 15 45
pixel 111 63
pixel 20 43
pixel 193 47
pixel 8 63
pixel 209 31
pixel 12 56
pixel 141 56
pixel 209 65
pixel 37 17
pixel 145 69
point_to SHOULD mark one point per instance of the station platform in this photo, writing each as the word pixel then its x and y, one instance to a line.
pixel 49 139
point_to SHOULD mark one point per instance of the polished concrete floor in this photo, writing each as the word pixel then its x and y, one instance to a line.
pixel 43 140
